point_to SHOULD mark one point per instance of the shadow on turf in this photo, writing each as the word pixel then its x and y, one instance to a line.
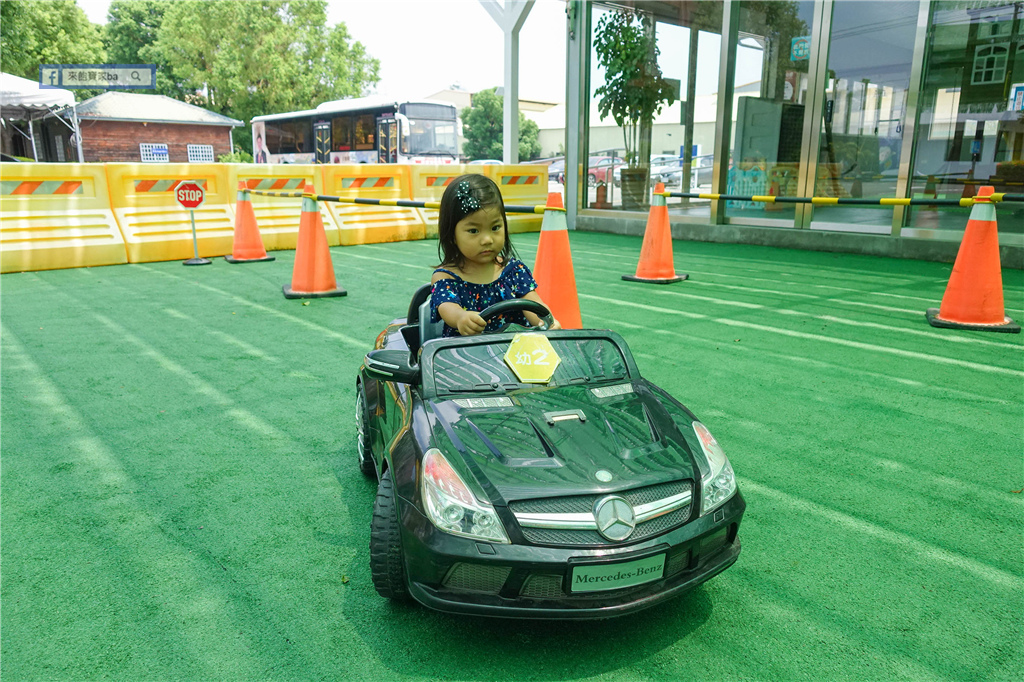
pixel 413 640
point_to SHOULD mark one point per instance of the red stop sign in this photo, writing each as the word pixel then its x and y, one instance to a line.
pixel 189 194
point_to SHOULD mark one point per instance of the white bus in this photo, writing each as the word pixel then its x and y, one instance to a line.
pixel 362 130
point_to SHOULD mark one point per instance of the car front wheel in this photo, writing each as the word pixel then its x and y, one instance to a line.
pixel 387 568
pixel 363 436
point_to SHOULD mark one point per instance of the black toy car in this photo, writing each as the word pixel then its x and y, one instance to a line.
pixel 535 474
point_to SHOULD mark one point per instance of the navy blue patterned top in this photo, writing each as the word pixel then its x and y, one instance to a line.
pixel 515 281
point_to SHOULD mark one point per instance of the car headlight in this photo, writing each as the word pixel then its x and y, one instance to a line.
pixel 452 507
pixel 720 483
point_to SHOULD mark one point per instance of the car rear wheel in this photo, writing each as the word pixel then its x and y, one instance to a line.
pixel 363 436
pixel 387 568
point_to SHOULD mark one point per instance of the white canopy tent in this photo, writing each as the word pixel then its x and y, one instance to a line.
pixel 24 100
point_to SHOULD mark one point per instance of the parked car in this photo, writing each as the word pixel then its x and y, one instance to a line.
pixel 535 474
pixel 556 171
pixel 657 161
pixel 701 172
pixel 602 168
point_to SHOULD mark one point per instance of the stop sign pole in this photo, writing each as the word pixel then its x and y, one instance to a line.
pixel 190 194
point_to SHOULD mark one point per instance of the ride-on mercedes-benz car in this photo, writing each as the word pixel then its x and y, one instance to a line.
pixel 535 474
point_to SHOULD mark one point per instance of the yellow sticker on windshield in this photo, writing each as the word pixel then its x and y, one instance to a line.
pixel 532 358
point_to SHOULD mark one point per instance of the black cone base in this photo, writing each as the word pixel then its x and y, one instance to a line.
pixel 196 261
pixel 680 276
pixel 291 293
pixel 1008 327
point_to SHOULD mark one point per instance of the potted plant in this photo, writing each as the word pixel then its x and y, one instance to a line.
pixel 633 93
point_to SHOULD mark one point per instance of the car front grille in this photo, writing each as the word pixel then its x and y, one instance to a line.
pixel 584 505
pixel 466 577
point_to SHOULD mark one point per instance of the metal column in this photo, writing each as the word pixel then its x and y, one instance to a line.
pixel 726 81
pixel 904 180
pixel 510 18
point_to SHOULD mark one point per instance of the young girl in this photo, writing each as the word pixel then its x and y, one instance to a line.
pixel 479 267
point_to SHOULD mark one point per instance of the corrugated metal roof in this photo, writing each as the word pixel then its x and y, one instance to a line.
pixel 129 106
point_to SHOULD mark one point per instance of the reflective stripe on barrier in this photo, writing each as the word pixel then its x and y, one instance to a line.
pixel 56 215
pixel 429 183
pixel 372 224
pixel 154 226
pixel 522 184
pixel 277 218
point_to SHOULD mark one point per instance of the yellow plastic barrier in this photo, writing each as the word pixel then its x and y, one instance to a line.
pixel 154 226
pixel 56 215
pixel 372 224
pixel 428 184
pixel 278 217
pixel 521 185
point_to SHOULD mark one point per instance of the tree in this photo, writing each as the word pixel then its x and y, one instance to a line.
pixel 130 36
pixel 57 32
pixel 260 57
pixel 634 90
pixel 483 127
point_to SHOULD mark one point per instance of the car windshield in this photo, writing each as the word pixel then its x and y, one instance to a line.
pixel 481 367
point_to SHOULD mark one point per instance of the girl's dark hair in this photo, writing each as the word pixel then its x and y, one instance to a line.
pixel 459 201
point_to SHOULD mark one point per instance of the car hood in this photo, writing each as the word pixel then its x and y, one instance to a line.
pixel 540 447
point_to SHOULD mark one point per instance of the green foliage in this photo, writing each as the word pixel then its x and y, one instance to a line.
pixel 634 90
pixel 263 56
pixel 56 32
pixel 483 126
pixel 130 36
pixel 237 156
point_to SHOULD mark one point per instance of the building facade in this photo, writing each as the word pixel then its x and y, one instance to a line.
pixel 825 98
pixel 132 128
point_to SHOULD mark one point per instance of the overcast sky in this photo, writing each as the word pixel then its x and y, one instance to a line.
pixel 426 46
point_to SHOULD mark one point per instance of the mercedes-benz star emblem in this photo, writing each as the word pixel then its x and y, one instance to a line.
pixel 614 517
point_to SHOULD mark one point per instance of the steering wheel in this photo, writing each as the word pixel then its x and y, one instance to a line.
pixel 518 305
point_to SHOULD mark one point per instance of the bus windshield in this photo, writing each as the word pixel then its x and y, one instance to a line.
pixel 429 136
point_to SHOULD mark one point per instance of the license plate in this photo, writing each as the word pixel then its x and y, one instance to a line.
pixel 600 577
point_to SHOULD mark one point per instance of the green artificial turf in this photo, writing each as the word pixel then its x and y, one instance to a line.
pixel 181 501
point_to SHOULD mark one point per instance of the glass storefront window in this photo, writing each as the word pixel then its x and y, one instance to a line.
pixel 772 60
pixel 624 163
pixel 870 53
pixel 971 114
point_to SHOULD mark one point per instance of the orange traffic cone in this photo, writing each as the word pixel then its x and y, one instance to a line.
pixel 974 294
pixel 655 264
pixel 556 280
pixel 248 245
pixel 313 274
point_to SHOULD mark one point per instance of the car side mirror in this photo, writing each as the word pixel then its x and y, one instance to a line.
pixel 391 365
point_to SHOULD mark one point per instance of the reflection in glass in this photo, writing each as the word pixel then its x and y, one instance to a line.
pixel 971 121
pixel 869 61
pixel 772 60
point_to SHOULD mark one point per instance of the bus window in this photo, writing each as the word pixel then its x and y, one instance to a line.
pixel 288 137
pixel 365 129
pixel 341 134
pixel 427 136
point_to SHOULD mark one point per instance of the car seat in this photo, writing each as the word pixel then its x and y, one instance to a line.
pixel 419 314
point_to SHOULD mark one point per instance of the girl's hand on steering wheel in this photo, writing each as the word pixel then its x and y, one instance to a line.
pixel 471 323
